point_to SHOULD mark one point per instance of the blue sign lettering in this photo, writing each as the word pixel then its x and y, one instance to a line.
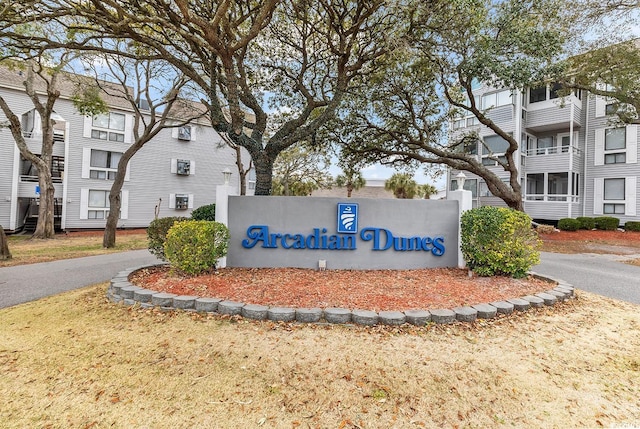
pixel 347 227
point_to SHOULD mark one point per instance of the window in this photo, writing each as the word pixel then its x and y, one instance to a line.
pixel 615 158
pixel 557 186
pixel 545 145
pixel 615 146
pixel 537 94
pixel 615 195
pixel 544 93
pixel 94 204
pixel 98 207
pixel 614 190
pixel 610 109
pixel 496 99
pixel 184 132
pixel 108 126
pixel 494 146
pixel 553 90
pixel 484 190
pixel 469 185
pixel 103 164
pixel 614 138
pixel 535 186
pixel 183 167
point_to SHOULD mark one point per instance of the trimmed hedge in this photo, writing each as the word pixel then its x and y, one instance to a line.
pixel 569 224
pixel 607 223
pixel 632 226
pixel 498 241
pixel 207 212
pixel 157 234
pixel 586 222
pixel 194 246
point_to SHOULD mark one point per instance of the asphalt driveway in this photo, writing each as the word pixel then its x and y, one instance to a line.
pixel 24 283
pixel 601 274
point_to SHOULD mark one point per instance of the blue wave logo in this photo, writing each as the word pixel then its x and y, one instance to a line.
pixel 347 218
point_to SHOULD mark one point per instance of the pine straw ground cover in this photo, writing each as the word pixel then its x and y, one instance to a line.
pixel 376 290
pixel 612 242
pixel 77 361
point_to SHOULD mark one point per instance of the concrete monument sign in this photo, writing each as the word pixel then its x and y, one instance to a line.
pixel 342 233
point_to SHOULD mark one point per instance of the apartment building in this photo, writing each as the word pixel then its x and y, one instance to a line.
pixel 171 175
pixel 574 159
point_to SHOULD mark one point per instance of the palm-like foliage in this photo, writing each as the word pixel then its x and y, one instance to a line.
pixel 402 185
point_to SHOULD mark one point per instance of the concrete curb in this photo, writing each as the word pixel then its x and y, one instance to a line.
pixel 123 292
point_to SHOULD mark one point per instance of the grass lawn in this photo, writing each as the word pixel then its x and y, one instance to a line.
pixel 77 361
pixel 74 245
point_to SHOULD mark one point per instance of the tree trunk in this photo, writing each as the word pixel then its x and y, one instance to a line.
pixel 241 170
pixel 115 200
pixel 45 227
pixel 264 173
pixel 349 190
pixel 4 246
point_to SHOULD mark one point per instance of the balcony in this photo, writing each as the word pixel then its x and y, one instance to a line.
pixel 553 115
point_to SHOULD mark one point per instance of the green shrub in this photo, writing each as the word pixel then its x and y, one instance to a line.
pixel 207 212
pixel 157 234
pixel 499 241
pixel 607 223
pixel 586 222
pixel 194 246
pixel 632 226
pixel 569 224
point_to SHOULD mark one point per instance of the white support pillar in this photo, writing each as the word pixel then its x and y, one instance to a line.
pixel 222 211
pixel 465 203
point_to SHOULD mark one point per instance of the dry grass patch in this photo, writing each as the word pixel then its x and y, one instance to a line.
pixel 77 361
pixel 592 241
pixel 28 251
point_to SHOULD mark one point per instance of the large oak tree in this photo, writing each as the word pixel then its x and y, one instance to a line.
pixel 248 55
pixel 404 118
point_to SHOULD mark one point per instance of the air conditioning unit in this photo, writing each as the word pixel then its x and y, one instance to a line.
pixel 183 167
pixel 184 133
pixel 182 201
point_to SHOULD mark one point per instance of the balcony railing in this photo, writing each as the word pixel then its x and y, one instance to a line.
pixel 552 150
pixel 552 197
pixel 26 178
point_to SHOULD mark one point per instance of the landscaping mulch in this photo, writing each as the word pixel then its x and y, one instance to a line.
pixel 376 290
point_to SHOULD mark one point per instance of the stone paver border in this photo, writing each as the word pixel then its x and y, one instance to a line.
pixel 122 291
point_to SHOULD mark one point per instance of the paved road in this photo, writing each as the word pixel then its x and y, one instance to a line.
pixel 25 283
pixel 601 274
